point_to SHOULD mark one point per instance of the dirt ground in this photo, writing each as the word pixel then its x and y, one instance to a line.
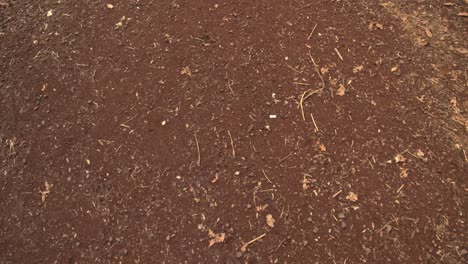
pixel 325 131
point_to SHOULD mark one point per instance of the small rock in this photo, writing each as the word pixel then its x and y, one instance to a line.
pixel 239 254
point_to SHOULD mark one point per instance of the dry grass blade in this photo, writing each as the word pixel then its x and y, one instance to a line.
pixel 232 145
pixel 198 150
pixel 245 245
pixel 304 97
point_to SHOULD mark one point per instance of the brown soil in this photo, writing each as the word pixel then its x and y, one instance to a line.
pixel 173 131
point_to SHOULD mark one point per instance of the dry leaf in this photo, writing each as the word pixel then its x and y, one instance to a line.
pixel 46 192
pixel 420 153
pixel 399 158
pixel 305 183
pixel 215 238
pixel 371 25
pixel 428 32
pixel 260 208
pixel 403 173
pixel 270 220
pixel 321 146
pixel 186 71
pixel 358 69
pixel 324 70
pixel 120 23
pixel 462 51
pixel 463 14
pixel 394 69
pixel 449 4
pixel 379 26
pixel 341 90
pixel 352 197
pixel 110 6
pixel 49 13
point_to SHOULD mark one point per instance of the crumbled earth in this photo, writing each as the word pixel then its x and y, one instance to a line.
pixel 233 131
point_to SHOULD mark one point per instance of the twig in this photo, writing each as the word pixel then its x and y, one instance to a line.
pixel 283 159
pixel 387 224
pixel 310 35
pixel 232 145
pixel 316 69
pixel 198 150
pixel 294 69
pixel 301 83
pixel 401 188
pixel 339 55
pixel 315 124
pixel 337 193
pixel 280 244
pixel 245 245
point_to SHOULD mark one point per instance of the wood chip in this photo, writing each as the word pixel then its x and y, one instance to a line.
pixel 321 146
pixel 428 32
pixel 186 71
pixel 341 90
pixel 399 158
pixel 109 6
pixel 215 238
pixel 324 70
pixel 394 69
pixel 270 220
pixel 403 173
pixel 463 14
pixel 352 197
pixel 46 192
pixel 358 69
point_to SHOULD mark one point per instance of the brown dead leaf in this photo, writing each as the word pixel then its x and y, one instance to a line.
pixel 46 192
pixel 358 69
pixel 379 26
pixel 403 173
pixel 186 71
pixel 341 90
pixel 428 32
pixel 462 51
pixel 270 220
pixel 352 197
pixel 215 238
pixel 261 207
pixel 463 14
pixel 120 23
pixel 305 183
pixel 324 70
pixel 420 153
pixel 399 158
pixel 394 69
pixel 321 146
pixel 371 25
